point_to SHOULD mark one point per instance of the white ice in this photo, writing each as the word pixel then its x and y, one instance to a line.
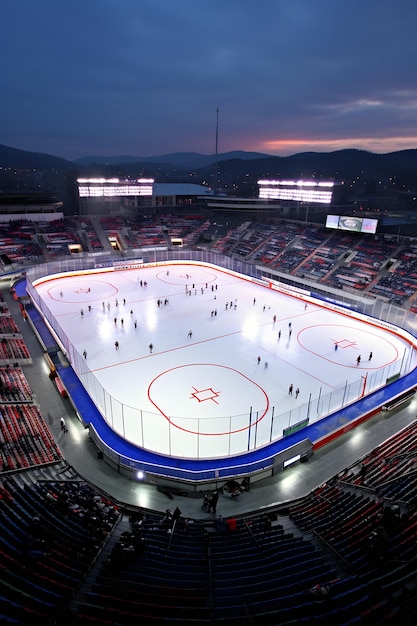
pixel 196 396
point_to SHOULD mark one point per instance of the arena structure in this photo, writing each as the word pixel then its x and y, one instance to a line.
pixel 209 444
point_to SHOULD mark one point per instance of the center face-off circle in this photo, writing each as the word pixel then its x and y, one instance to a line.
pixel 207 392
pixel 193 277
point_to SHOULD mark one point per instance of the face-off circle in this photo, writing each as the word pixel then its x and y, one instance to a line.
pixel 193 277
pixel 83 291
pixel 345 343
pixel 207 392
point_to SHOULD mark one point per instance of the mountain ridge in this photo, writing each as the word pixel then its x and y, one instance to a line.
pixel 14 157
pixel 379 180
pixel 185 159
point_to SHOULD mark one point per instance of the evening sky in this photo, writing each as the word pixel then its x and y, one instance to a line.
pixel 146 77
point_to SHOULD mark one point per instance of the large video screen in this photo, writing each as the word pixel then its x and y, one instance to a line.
pixel 352 223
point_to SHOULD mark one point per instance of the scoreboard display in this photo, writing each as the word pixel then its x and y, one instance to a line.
pixel 352 223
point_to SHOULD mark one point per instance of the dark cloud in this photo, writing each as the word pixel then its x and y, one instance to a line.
pixel 145 77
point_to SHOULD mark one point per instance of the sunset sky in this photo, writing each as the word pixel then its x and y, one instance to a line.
pixel 145 77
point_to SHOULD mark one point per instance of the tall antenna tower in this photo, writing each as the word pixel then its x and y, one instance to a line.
pixel 217 131
pixel 216 163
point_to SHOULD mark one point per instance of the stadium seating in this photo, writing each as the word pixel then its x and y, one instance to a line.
pixel 383 266
pixel 343 554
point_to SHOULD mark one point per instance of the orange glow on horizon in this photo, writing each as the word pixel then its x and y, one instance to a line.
pixel 286 147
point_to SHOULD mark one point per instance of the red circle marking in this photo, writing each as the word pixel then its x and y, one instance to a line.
pixel 329 327
pixel 199 432
pixel 88 296
pixel 162 276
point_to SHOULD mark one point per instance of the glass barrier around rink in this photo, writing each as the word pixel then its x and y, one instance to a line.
pixel 242 433
pixel 238 433
pixel 373 307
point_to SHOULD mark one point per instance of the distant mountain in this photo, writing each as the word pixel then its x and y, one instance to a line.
pixel 386 181
pixel 340 165
pixel 183 159
pixel 24 172
pixel 24 160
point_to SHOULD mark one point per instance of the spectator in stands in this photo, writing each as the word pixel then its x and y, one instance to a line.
pixel 320 592
pixel 50 498
pixel 378 543
pixel 233 487
pixel 220 524
pixel 213 501
pixel 167 520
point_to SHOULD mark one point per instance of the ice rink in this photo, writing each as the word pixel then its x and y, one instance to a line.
pixel 205 360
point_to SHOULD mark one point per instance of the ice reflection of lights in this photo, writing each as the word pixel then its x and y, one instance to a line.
pixel 105 329
pixel 291 479
pixel 143 497
pixel 151 319
pixel 250 329
pixel 77 435
pixel 45 367
pixel 357 437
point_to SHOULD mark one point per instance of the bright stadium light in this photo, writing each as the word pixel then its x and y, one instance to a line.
pixel 97 180
pixel 296 190
pixel 113 187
